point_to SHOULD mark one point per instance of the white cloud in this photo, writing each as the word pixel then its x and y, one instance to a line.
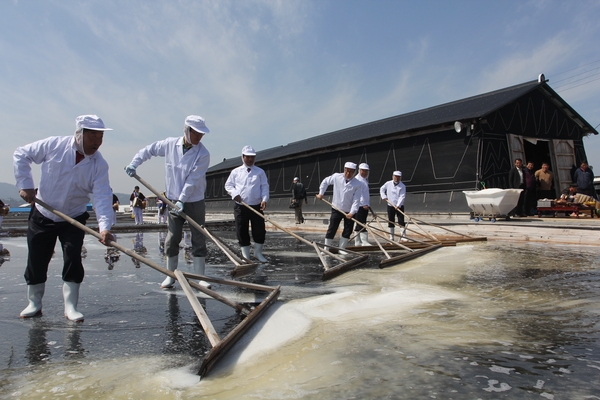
pixel 263 72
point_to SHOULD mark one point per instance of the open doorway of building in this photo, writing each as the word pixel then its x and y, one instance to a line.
pixel 559 154
pixel 538 153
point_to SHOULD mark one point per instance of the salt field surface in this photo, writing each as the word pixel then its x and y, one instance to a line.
pixel 479 320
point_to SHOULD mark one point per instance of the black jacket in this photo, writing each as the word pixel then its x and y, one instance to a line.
pixel 514 180
pixel 298 191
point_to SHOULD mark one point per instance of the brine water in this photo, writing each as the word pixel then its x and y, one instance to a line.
pixel 479 320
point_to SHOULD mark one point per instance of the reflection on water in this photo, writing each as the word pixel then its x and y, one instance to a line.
pixel 37 348
pixel 478 320
pixel 138 248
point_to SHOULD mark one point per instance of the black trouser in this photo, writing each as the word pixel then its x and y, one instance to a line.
pixel 41 240
pixel 243 217
pixel 393 213
pixel 361 216
pixel 545 194
pixel 520 209
pixel 334 222
pixel 530 200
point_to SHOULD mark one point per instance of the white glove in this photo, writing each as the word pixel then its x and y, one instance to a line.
pixel 179 206
pixel 130 169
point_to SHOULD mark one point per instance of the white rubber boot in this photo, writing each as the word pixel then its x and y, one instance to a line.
pixel 403 237
pixel 71 296
pixel 364 238
pixel 34 294
pixel 392 233
pixel 328 242
pixel 358 240
pixel 199 267
pixel 343 244
pixel 246 252
pixel 258 247
pixel 171 266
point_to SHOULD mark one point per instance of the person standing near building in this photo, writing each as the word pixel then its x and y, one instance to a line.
pixel 346 197
pixel 186 162
pixel 136 203
pixel 362 236
pixel 516 180
pixel 298 197
pixel 530 190
pixel 394 192
pixel 248 184
pixel 72 168
pixel 584 178
pixel 545 182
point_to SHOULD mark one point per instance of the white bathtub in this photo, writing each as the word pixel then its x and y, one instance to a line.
pixel 492 202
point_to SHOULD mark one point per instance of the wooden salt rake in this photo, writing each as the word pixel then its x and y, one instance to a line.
pixel 462 237
pixel 219 346
pixel 242 266
pixel 390 260
pixel 330 271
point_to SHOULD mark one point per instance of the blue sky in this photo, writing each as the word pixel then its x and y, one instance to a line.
pixel 267 73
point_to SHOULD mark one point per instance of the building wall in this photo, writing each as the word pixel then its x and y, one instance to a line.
pixel 532 116
pixel 434 165
pixel 437 163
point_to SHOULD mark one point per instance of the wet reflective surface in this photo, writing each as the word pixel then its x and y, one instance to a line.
pixel 484 320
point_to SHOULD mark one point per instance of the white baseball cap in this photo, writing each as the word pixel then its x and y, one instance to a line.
pixel 397 173
pixel 92 122
pixel 350 165
pixel 197 123
pixel 248 151
pixel 296 179
pixel 364 166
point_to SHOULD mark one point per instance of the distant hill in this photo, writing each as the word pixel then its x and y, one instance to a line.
pixel 9 194
pixel 123 198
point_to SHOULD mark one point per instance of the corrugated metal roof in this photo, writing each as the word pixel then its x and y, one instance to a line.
pixel 469 108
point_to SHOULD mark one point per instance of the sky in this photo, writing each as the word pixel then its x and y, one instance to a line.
pixel 269 72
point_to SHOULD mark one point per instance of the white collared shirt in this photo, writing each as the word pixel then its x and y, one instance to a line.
pixel 365 196
pixel 185 174
pixel 346 195
pixel 252 186
pixel 394 193
pixel 65 185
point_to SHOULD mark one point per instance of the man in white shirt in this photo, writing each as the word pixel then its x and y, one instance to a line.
pixel 248 183
pixel 394 191
pixel 72 168
pixel 362 236
pixel 346 197
pixel 186 162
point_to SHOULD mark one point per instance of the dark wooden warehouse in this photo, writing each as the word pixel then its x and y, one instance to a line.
pixel 441 150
